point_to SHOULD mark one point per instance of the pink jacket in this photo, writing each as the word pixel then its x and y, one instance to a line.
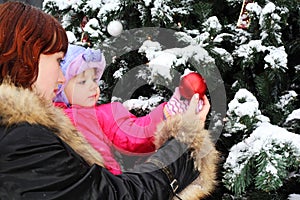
pixel 111 125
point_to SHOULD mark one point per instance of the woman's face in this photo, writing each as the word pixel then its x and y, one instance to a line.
pixel 49 76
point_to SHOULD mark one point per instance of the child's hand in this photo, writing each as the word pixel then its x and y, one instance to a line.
pixel 177 104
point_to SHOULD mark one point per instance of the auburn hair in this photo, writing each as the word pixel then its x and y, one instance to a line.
pixel 25 33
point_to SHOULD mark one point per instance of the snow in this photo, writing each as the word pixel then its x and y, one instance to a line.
pixel 162 61
pixel 92 4
pixel 254 7
pixel 225 55
pixel 246 50
pixel 107 6
pixel 286 99
pixel 260 140
pixel 269 8
pixel 276 58
pixel 212 24
pixel 294 115
pixel 203 38
pixel 271 169
pixel 119 73
pixel 184 37
pixel 161 65
pixel 71 37
pixel 143 103
pixel 219 38
pixel 147 2
pixel 61 4
pixel 244 103
pixel 269 21
pixel 294 197
pixel 161 10
pixel 150 48
pixel 241 36
pixel 92 27
pixel 196 52
pixel 234 2
pixel 66 21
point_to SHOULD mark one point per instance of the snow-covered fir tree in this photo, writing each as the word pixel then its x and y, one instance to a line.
pixel 257 64
pixel 266 154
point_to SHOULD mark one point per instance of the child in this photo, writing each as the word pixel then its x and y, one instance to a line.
pixel 105 126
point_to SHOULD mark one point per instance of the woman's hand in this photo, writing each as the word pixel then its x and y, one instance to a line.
pixel 192 111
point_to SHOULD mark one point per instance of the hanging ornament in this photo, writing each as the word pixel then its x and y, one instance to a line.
pixel 85 39
pixel 192 83
pixel 244 18
pixel 83 22
pixel 115 28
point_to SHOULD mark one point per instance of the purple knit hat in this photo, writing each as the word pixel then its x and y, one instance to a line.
pixel 77 60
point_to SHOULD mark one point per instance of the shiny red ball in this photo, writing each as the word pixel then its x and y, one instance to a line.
pixel 192 83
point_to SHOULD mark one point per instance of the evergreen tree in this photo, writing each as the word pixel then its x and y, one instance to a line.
pixel 260 59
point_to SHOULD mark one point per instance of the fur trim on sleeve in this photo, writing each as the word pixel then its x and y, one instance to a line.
pixel 204 153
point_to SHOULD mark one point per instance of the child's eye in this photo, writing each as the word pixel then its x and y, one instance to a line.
pixel 81 82
pixel 95 80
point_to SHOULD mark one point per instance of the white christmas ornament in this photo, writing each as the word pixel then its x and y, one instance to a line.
pixel 114 28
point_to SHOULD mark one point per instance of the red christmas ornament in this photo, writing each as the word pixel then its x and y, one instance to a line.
pixel 192 83
pixel 244 18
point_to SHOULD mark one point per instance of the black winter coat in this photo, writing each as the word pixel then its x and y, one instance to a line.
pixel 41 157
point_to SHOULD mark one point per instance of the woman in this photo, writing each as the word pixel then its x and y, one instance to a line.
pixel 42 156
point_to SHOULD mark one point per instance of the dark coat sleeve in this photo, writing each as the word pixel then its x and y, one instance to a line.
pixel 36 164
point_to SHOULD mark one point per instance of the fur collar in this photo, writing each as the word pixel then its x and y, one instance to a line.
pixel 22 105
pixel 188 129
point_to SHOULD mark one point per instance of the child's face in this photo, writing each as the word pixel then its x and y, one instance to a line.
pixel 83 89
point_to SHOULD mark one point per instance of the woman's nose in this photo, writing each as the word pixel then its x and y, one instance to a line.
pixel 61 77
